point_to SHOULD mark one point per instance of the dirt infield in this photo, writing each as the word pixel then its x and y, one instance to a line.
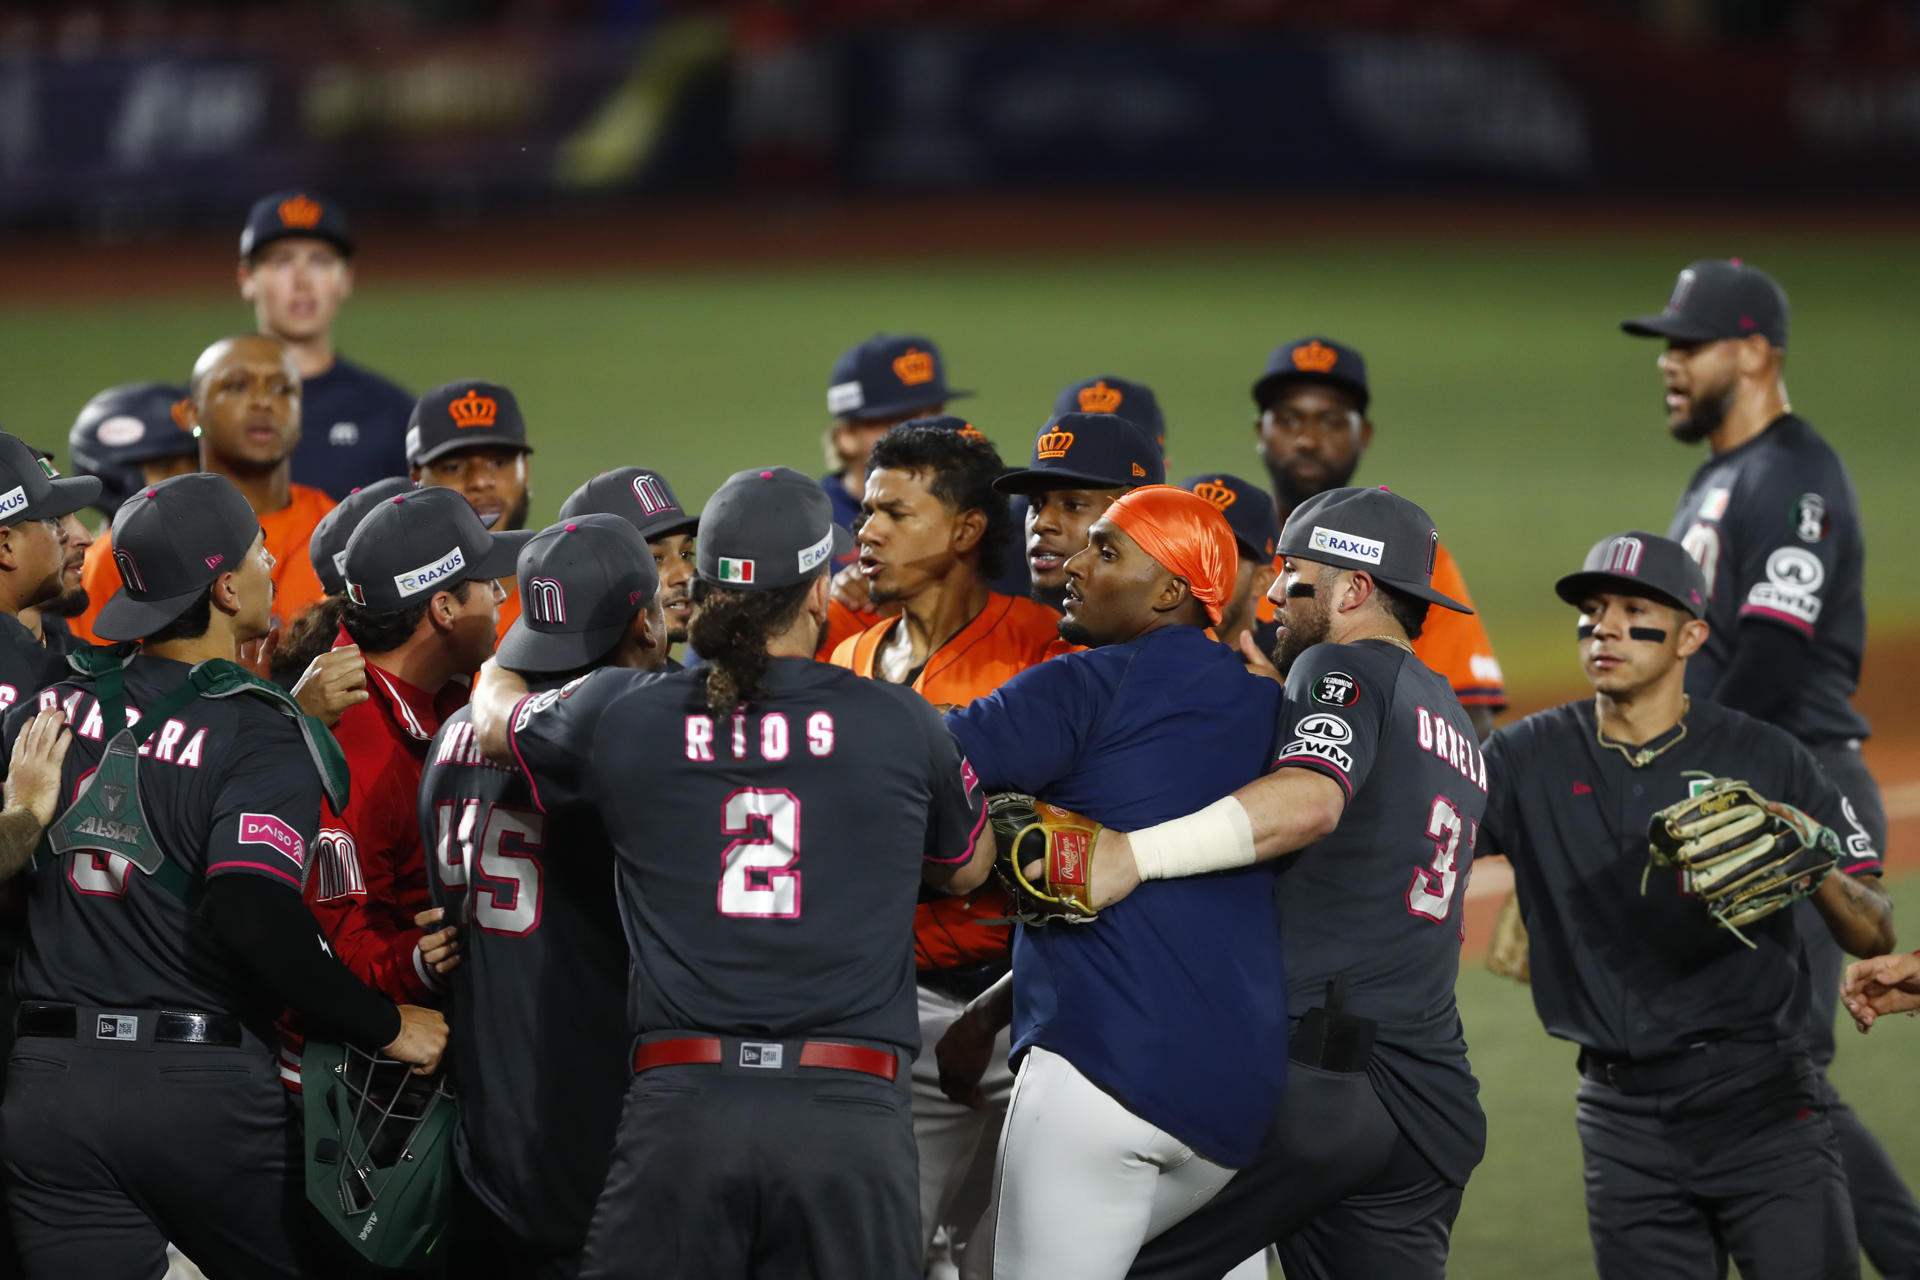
pixel 789 229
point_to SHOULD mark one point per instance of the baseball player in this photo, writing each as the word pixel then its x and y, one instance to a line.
pixel 314 634
pixel 296 269
pixel 469 437
pixel 1312 429
pixel 167 932
pixel 48 621
pixel 1772 519
pixel 1256 532
pixel 33 562
pixel 1151 1042
pixel 1081 463
pixel 1379 787
pixel 420 572
pixel 131 438
pixel 1700 1108
pixel 932 534
pixel 541 1059
pixel 245 404
pixel 643 498
pixel 772 820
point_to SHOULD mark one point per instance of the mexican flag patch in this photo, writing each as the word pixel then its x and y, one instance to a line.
pixel 735 570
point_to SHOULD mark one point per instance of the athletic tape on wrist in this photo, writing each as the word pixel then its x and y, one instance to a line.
pixel 1216 838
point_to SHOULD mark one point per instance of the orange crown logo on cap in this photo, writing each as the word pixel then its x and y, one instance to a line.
pixel 1054 444
pixel 299 212
pixel 1219 494
pixel 914 367
pixel 971 432
pixel 1099 398
pixel 1315 357
pixel 473 410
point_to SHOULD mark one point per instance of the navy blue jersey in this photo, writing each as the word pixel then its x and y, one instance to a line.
pixel 540 1061
pixel 1174 1000
pixel 1379 902
pixel 768 860
pixel 1775 527
pixel 1644 974
pixel 230 788
pixel 353 430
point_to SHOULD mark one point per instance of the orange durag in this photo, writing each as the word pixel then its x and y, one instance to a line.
pixel 1187 535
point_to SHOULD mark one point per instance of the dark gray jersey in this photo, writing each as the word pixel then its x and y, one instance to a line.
pixel 1379 900
pixel 540 994
pixel 1776 529
pixel 768 860
pixel 1636 974
pixel 230 789
pixel 26 665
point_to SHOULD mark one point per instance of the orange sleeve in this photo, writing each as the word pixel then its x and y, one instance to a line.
pixel 509 613
pixel 99 578
pixel 1456 645
pixel 296 587
pixel 842 652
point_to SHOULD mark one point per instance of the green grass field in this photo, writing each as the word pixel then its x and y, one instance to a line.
pixel 1506 400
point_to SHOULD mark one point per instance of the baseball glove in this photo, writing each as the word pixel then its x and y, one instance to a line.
pixel 1507 954
pixel 1741 855
pixel 1027 831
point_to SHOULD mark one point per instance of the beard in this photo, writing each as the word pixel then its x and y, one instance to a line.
pixel 68 604
pixel 1289 493
pixel 1073 633
pixel 1304 629
pixel 517 518
pixel 1707 415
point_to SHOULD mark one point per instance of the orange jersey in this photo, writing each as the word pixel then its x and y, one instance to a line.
pixel 842 625
pixel 1455 645
pixel 508 612
pixel 296 588
pixel 1006 638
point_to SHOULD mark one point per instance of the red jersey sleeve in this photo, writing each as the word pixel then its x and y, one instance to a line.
pixel 354 889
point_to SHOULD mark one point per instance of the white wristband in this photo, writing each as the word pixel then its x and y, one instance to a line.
pixel 1216 838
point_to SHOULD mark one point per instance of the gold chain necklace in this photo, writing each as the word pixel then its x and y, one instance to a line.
pixel 1645 756
pixel 1393 640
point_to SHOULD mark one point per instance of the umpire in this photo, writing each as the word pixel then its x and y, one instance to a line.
pixel 1700 1110
pixel 767 1129
pixel 1772 518
pixel 142 1101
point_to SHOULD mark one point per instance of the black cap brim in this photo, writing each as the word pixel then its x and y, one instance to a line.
pixel 667 528
pixel 524 649
pixel 471 440
pixel 871 412
pixel 1576 588
pixel 502 558
pixel 256 243
pixel 70 494
pixel 124 618
pixel 1030 480
pixel 1668 325
pixel 1263 390
pixel 1425 593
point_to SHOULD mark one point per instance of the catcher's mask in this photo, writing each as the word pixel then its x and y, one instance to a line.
pixel 379 1147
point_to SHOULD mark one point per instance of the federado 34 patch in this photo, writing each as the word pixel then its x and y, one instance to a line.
pixel 1336 689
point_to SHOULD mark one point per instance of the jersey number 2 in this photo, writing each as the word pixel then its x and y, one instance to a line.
pixel 760 871
pixel 498 860
pixel 1431 892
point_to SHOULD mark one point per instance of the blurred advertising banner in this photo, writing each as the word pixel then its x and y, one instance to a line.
pixel 742 100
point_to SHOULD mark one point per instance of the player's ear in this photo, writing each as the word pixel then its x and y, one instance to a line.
pixel 225 598
pixel 818 596
pixel 243 276
pixel 9 555
pixel 968 528
pixel 1693 634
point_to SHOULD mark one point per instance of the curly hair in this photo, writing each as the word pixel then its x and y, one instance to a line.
pixel 730 630
pixel 960 467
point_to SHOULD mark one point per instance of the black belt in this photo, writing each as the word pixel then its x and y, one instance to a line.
pixel 963 982
pixel 1694 1063
pixel 169 1026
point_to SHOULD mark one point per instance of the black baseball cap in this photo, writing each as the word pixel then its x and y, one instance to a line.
pixel 1637 563
pixel 419 542
pixel 1247 507
pixel 287 214
pixel 327 547
pixel 31 490
pixel 1133 401
pixel 1370 529
pixel 1314 360
pixel 888 375
pixel 1718 298
pixel 1087 451
pixel 581 583
pixel 171 542
pixel 768 527
pixel 464 415
pixel 639 495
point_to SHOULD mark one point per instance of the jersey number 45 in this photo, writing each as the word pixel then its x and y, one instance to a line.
pixel 492 853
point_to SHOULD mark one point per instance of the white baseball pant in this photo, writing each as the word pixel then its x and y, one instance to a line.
pixel 957 1143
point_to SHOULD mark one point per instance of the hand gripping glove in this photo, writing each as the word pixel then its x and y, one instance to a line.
pixel 1027 831
pixel 1740 855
